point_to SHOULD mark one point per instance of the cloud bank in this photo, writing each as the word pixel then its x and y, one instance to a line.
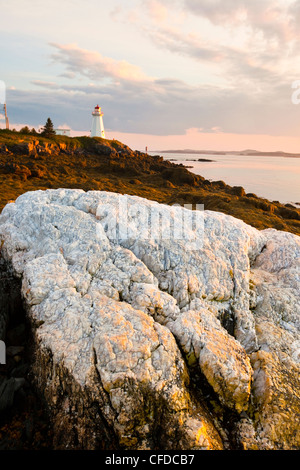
pixel 212 65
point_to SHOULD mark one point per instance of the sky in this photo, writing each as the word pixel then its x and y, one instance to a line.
pixel 172 74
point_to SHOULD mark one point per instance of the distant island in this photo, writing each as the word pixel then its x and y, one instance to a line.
pixel 198 160
pixel 248 152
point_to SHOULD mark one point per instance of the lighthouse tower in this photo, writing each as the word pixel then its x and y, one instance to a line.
pixel 97 123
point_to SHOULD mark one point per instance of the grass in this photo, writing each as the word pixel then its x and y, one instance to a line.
pixel 9 138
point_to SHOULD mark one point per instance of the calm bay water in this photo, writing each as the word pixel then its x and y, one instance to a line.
pixel 274 178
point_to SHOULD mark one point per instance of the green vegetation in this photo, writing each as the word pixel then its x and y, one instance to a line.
pixel 48 129
pixel 11 137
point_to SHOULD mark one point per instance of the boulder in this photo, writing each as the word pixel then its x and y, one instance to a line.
pixel 21 170
pixel 130 303
pixel 238 191
pixel 24 148
pixel 103 149
pixel 179 176
pixel 4 150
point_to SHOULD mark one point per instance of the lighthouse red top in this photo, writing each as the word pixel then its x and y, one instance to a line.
pixel 97 107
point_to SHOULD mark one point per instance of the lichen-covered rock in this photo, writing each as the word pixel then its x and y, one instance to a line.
pixel 221 358
pixel 276 386
pixel 139 309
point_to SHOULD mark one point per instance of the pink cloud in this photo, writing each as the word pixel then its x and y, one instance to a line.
pixel 95 65
pixel 157 10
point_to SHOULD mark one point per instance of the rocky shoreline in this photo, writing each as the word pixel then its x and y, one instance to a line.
pixel 30 163
pixel 213 358
pixel 140 344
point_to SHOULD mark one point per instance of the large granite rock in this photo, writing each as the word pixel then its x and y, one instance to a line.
pixel 157 327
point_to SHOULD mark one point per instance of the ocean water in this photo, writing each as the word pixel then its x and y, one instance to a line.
pixel 273 178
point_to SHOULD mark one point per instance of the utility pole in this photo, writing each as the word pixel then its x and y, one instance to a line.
pixel 6 117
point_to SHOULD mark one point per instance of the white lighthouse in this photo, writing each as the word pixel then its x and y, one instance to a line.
pixel 97 123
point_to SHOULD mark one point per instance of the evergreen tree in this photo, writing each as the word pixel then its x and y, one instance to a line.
pixel 25 130
pixel 48 129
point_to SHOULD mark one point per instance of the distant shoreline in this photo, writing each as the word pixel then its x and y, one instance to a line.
pixel 250 153
pixel 189 160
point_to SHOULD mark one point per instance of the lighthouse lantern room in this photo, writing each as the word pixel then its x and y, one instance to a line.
pixel 97 123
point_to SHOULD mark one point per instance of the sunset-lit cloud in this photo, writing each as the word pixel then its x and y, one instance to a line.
pixel 272 18
pixel 157 68
pixel 157 10
pixel 95 65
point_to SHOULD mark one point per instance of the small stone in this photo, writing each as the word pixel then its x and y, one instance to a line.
pixel 17 358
